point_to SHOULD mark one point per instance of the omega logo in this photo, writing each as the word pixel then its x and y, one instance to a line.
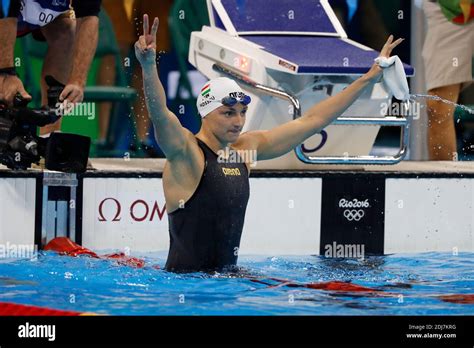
pixel 151 211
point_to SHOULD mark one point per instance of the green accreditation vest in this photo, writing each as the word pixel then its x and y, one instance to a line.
pixel 458 11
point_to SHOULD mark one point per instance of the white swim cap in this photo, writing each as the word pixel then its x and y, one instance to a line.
pixel 214 91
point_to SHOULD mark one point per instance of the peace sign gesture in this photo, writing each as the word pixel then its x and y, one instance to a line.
pixel 145 47
pixel 389 46
pixel 376 71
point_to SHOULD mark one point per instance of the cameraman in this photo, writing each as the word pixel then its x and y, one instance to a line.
pixel 72 43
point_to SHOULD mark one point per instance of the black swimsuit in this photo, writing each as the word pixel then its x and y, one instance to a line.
pixel 205 233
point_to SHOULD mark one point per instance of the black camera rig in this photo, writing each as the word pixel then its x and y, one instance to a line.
pixel 20 147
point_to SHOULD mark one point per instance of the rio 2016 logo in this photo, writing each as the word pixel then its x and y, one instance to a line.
pixel 354 209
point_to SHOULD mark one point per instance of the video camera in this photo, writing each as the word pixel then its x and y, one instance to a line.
pixel 20 147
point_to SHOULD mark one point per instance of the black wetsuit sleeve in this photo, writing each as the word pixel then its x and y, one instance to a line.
pixel 14 10
pixel 86 8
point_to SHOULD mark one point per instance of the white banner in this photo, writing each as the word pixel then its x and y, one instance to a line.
pixel 124 213
pixel 17 210
pixel 424 215
pixel 283 216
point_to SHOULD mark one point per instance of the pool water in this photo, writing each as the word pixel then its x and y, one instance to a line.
pixel 401 285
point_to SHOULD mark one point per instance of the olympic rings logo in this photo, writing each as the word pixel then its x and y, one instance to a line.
pixel 354 214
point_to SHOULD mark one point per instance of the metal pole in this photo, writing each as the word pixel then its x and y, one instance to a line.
pixel 418 136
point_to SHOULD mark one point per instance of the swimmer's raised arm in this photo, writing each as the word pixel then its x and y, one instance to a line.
pixel 170 134
pixel 284 138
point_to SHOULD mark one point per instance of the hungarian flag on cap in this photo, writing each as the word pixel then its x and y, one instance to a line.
pixel 206 90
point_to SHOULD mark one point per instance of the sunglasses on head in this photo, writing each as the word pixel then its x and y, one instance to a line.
pixel 231 101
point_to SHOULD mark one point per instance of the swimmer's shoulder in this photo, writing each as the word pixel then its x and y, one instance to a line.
pixel 247 145
pixel 182 174
pixel 246 141
pixel 191 152
pixel 188 163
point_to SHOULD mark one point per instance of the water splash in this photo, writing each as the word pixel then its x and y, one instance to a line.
pixel 436 98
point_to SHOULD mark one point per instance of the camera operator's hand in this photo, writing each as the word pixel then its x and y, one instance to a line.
pixel 9 87
pixel 73 93
pixel 145 47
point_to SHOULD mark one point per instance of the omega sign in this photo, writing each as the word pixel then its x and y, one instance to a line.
pixel 354 209
pixel 139 210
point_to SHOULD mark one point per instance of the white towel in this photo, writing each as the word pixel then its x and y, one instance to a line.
pixel 394 76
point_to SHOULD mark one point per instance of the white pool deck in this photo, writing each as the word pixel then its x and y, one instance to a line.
pixel 157 165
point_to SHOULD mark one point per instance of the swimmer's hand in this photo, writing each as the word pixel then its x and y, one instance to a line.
pixel 145 47
pixel 375 73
